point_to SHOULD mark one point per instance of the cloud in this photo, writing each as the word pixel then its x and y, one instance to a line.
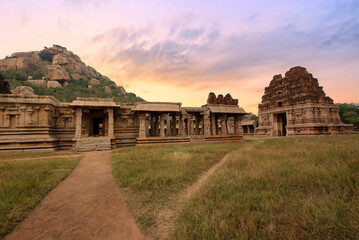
pixel 185 50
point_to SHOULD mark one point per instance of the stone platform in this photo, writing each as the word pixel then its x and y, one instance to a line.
pixel 163 140
pixel 93 144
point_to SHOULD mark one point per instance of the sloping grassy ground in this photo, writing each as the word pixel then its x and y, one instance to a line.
pixel 287 188
pixel 149 176
pixel 24 183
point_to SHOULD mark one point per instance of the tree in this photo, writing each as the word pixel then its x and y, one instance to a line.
pixel 349 113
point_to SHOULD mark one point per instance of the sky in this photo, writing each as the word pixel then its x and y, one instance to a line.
pixel 180 50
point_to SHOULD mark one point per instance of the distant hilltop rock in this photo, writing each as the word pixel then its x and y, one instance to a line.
pixel 56 65
pixel 60 73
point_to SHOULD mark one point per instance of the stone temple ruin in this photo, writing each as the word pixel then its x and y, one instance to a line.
pixel 296 105
pixel 42 123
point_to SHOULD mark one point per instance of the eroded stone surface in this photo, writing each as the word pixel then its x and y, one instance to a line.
pixel 23 91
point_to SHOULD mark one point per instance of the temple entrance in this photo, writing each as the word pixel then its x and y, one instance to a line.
pixel 280 122
pixel 97 127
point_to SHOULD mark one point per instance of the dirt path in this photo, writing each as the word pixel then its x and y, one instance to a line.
pixel 167 217
pixel 86 205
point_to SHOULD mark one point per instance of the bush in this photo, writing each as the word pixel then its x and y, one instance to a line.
pixel 349 113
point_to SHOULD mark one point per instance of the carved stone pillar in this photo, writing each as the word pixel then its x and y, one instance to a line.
pixel 2 119
pixel 190 125
pixel 181 124
pixel 197 124
pixel 111 132
pixel 156 125
pixel 168 120
pixel 22 112
pixel 206 124
pixel 147 124
pixel 162 125
pixel 78 122
pixel 173 125
pixel 223 124
pixel 213 124
pixel 142 125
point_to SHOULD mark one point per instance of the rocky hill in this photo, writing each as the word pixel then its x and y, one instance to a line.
pixel 61 73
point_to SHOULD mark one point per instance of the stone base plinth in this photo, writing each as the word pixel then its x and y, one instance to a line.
pixel 223 138
pixel 92 144
pixel 163 140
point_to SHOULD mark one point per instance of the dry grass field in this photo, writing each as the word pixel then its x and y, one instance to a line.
pixel 25 179
pixel 151 177
pixel 279 188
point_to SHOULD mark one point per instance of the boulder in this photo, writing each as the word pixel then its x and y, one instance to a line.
pixel 212 99
pixel 76 76
pixel 94 81
pixel 220 99
pixel 56 72
pixel 23 91
pixel 22 54
pixel 4 86
pixel 60 59
pixel 38 82
pixel 228 99
pixel 107 89
pixel 53 84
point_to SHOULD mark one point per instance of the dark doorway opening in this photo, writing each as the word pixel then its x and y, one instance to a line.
pixel 97 126
pixel 282 124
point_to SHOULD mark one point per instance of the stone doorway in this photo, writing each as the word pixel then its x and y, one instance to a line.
pixel 280 124
pixel 96 122
pixel 97 127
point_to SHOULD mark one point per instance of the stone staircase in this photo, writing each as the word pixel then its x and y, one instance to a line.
pixel 93 144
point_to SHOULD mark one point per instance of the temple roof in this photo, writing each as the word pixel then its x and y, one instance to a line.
pixel 94 102
pixel 157 107
pixel 226 109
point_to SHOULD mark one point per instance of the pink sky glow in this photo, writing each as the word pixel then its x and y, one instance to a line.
pixel 181 50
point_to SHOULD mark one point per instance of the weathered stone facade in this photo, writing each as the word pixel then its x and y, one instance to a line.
pixel 296 105
pixel 42 123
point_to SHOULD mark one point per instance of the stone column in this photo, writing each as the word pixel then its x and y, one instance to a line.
pixel 181 131
pixel 223 124
pixel 197 124
pixel 143 125
pixel 186 126
pixel 2 119
pixel 206 124
pixel 168 125
pixel 152 121
pixel 111 132
pixel 162 125
pixel 213 124
pixel 78 122
pixel 190 125
pixel 173 123
pixel 22 112
pixel 147 124
pixel 156 125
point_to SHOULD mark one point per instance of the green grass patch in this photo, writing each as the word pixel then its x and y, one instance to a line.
pixel 282 188
pixel 23 184
pixel 150 176
pixel 30 155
